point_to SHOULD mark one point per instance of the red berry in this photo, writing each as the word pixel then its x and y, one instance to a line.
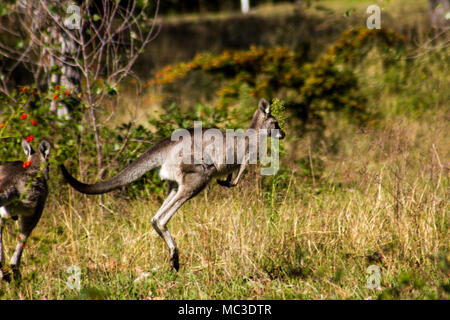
pixel 33 122
pixel 30 138
pixel 27 163
pixel 55 97
pixel 24 116
pixel 24 89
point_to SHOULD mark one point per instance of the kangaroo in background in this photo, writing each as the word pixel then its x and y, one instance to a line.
pixel 23 192
pixel 186 180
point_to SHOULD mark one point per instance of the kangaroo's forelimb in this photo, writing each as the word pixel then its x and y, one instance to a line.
pixel 227 182
pixel 241 171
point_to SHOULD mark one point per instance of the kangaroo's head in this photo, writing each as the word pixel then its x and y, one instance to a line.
pixel 38 159
pixel 262 119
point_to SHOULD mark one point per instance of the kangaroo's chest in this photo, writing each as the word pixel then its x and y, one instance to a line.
pixel 29 197
pixel 170 172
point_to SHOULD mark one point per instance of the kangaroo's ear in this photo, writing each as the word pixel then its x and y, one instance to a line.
pixel 44 149
pixel 264 106
pixel 27 148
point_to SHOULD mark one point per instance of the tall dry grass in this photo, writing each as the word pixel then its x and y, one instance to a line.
pixel 382 200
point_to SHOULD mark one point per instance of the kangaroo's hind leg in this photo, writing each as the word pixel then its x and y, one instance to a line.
pixel 27 225
pixel 192 184
pixel 173 188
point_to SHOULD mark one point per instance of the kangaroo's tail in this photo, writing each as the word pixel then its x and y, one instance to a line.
pixel 135 170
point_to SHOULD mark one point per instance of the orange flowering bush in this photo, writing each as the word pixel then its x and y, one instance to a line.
pixel 275 68
pixel 354 44
pixel 328 84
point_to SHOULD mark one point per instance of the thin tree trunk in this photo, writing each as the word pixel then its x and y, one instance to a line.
pixel 439 11
pixel 245 6
pixel 62 73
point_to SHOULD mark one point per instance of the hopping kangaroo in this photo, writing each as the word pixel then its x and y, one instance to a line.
pixel 187 179
pixel 23 191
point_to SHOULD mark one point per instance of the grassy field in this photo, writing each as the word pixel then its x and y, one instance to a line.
pixel 383 200
pixel 355 198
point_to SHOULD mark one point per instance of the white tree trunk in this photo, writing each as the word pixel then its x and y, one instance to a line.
pixel 245 6
pixel 439 11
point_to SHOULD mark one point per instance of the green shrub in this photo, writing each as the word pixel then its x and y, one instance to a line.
pixel 26 115
pixel 327 85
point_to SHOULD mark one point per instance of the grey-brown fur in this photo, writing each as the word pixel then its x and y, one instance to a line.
pixel 23 192
pixel 185 180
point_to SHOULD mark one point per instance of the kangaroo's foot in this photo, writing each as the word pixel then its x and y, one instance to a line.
pixel 225 183
pixel 174 261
